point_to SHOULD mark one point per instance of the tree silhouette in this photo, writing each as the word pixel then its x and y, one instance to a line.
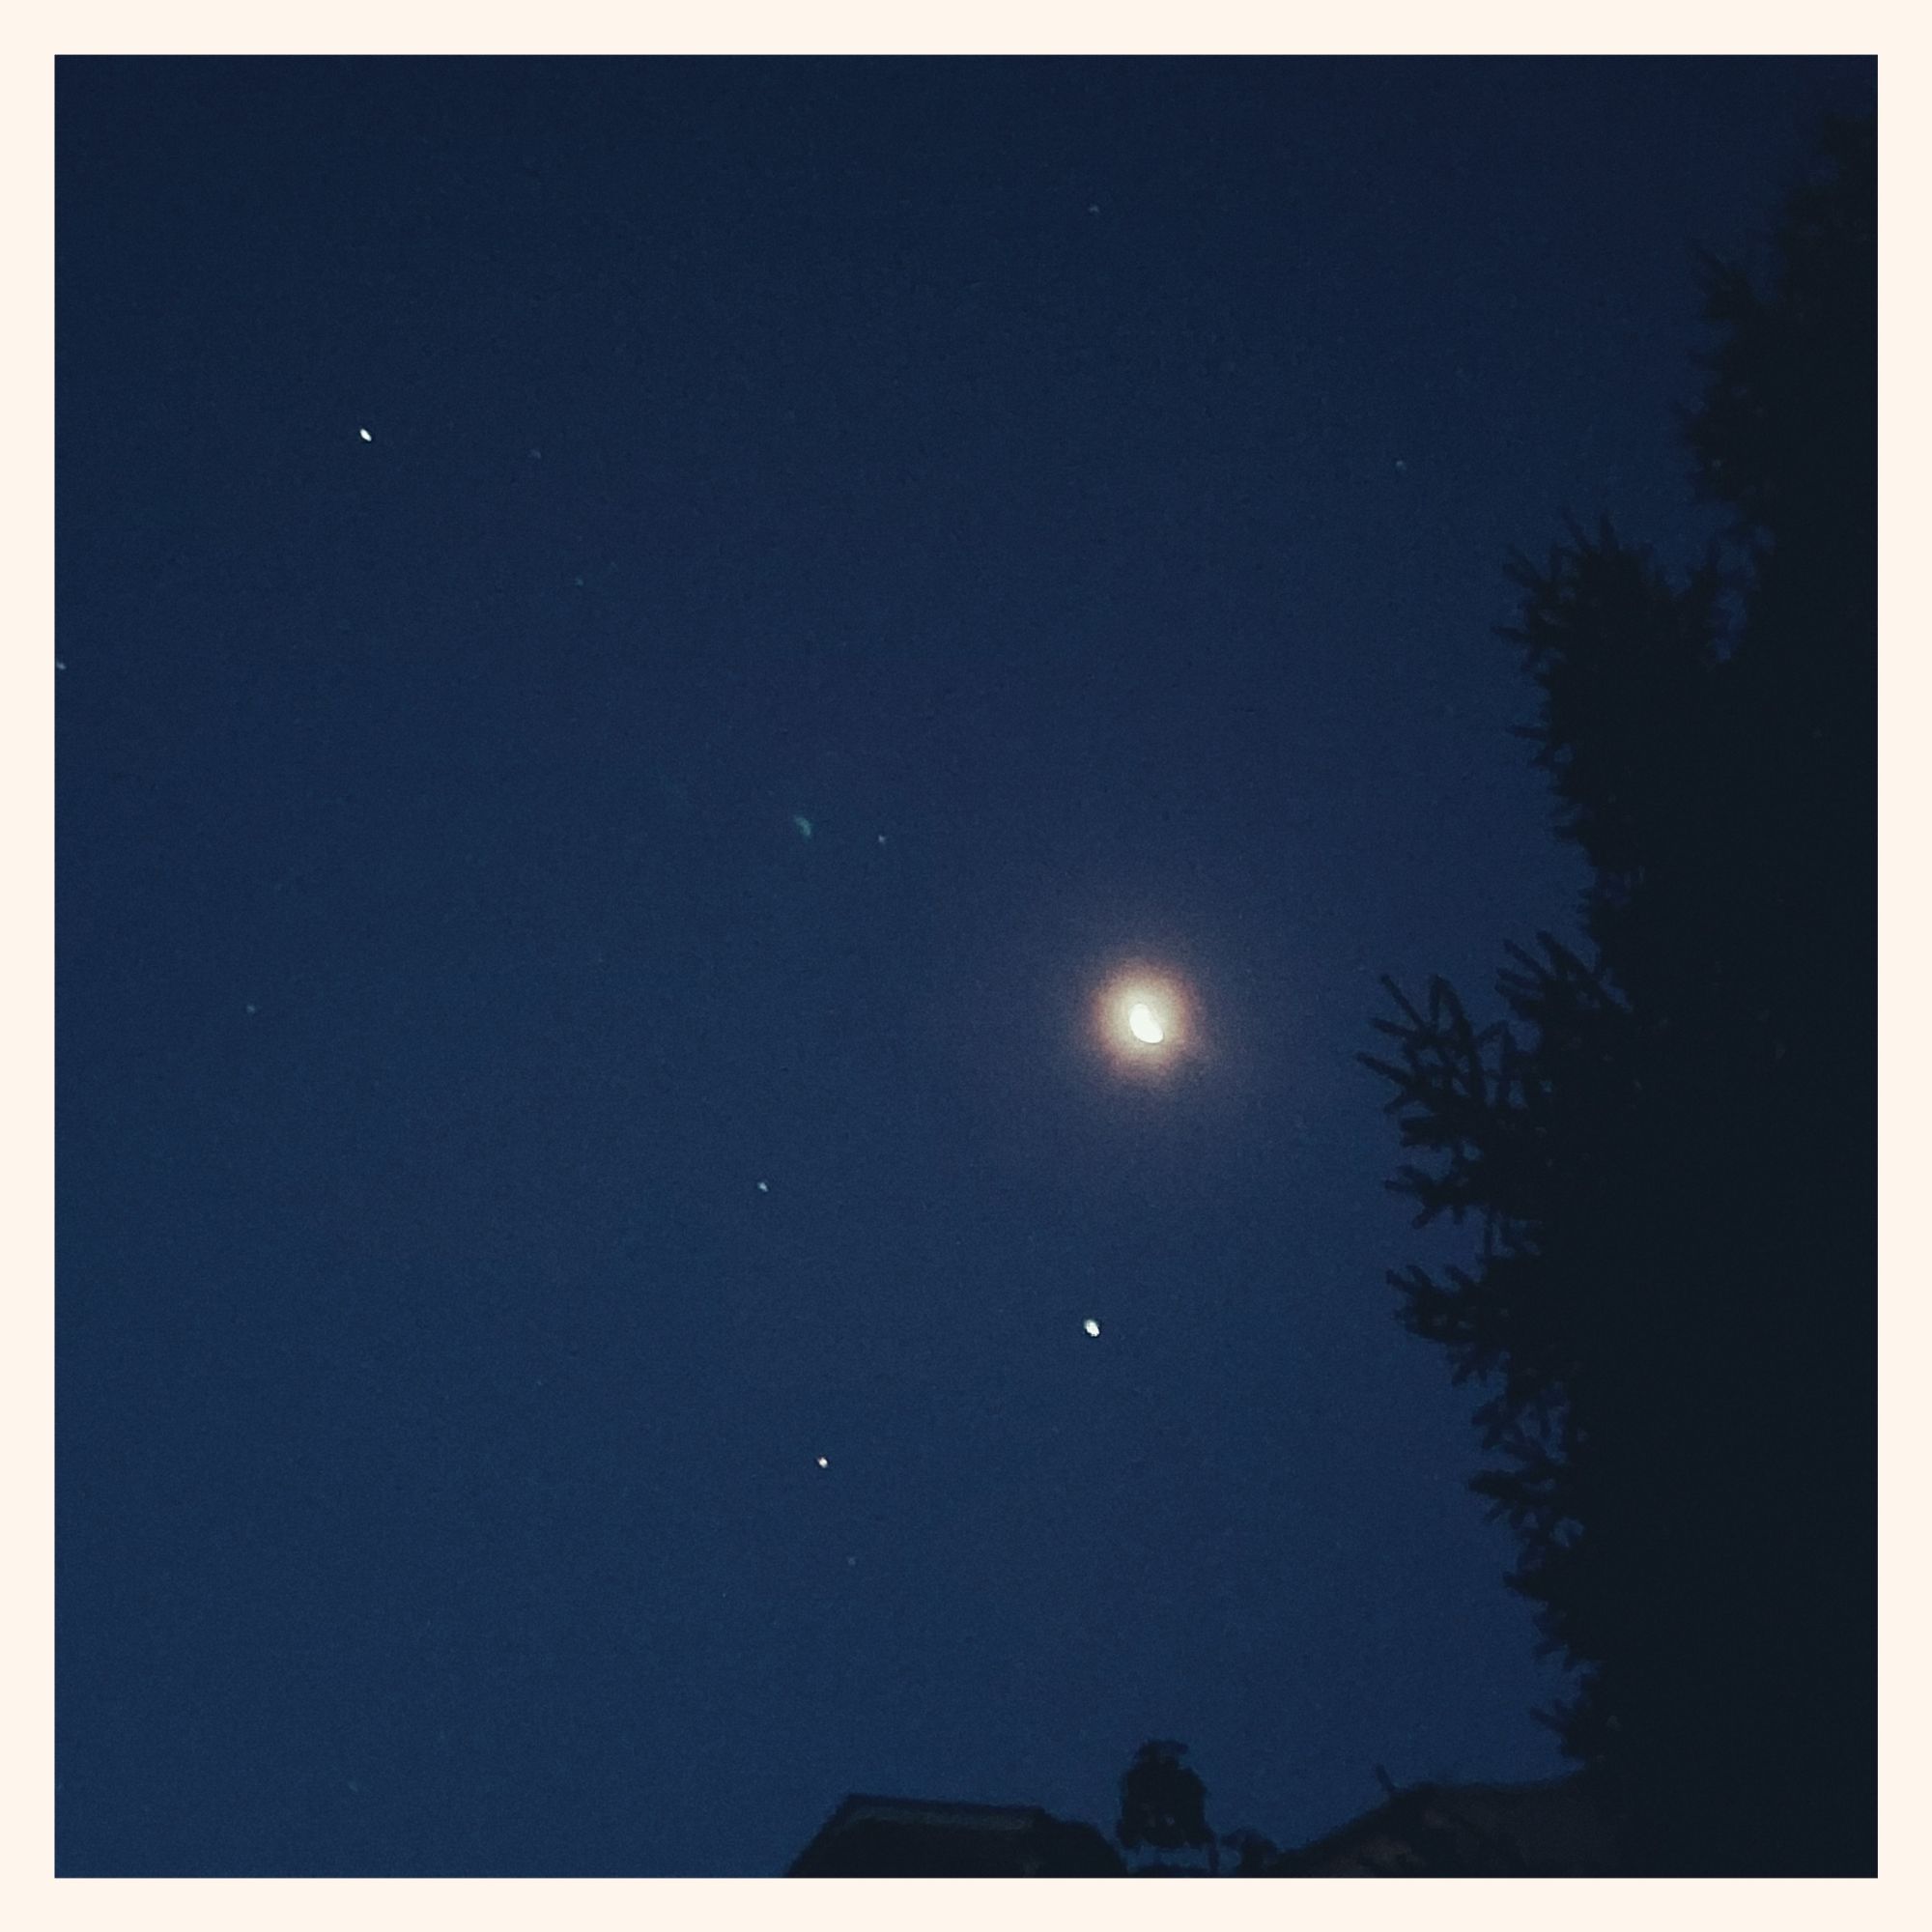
pixel 1164 1805
pixel 1256 1851
pixel 1667 1147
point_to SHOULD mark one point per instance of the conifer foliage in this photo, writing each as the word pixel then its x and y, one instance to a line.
pixel 1665 1151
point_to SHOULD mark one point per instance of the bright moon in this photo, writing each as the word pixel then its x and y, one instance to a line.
pixel 1145 1022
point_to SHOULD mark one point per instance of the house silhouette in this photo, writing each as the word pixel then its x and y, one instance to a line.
pixel 1549 1830
pixel 1554 1828
pixel 913 1837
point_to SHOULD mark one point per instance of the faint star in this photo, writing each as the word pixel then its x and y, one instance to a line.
pixel 1091 1327
pixel 803 823
pixel 824 1462
pixel 365 435
pixel 764 1188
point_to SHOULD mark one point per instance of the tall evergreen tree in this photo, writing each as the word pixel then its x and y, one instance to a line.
pixel 1669 1145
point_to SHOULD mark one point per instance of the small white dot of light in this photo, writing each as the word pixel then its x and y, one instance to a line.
pixel 825 1462
pixel 764 1188
pixel 1091 1327
pixel 365 435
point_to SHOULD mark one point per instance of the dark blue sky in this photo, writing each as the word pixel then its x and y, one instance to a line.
pixel 1081 491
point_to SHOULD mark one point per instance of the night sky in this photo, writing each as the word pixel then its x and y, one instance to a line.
pixel 639 642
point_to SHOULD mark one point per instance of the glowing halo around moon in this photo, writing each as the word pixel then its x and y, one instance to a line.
pixel 1144 1020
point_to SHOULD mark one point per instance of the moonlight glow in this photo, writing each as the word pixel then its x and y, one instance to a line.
pixel 1144 1019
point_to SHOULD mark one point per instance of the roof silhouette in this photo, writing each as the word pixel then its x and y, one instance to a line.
pixel 870 1836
